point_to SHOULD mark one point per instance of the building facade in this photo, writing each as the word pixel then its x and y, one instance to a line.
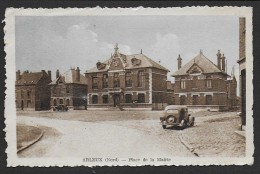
pixel 69 89
pixel 242 68
pixel 202 84
pixel 128 81
pixel 32 91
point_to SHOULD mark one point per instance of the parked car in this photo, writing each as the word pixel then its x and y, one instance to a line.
pixel 176 116
pixel 60 108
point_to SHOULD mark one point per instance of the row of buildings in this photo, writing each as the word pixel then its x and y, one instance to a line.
pixel 131 82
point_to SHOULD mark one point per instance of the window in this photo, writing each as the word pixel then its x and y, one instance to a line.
pixel 28 94
pixel 195 81
pixel 105 98
pixel 105 81
pixel 61 101
pixel 116 80
pixel 183 84
pixel 21 94
pixel 55 102
pixel 28 103
pixel 94 82
pixel 128 98
pixel 67 102
pixel 54 89
pixel 208 100
pixel 208 82
pixel 140 78
pixel 195 99
pixel 67 89
pixel 128 79
pixel 141 98
pixel 94 99
pixel 182 100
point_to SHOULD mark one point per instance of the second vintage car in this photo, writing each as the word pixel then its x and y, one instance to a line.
pixel 176 116
pixel 61 107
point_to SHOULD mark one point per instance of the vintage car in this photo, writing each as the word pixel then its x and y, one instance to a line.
pixel 60 108
pixel 176 116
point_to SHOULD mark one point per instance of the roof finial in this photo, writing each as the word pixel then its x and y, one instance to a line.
pixel 201 51
pixel 141 51
pixel 116 54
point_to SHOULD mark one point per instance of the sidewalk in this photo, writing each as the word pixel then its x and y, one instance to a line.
pixel 215 136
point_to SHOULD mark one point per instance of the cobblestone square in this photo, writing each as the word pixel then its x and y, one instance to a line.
pixel 85 133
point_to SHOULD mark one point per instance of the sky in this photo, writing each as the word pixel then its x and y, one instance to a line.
pixel 61 42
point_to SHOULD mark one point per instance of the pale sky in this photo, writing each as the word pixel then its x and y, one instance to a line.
pixel 52 43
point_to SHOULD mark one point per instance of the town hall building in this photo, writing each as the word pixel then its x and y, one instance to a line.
pixel 202 84
pixel 128 82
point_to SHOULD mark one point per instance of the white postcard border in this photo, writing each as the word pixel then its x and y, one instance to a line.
pixel 10 110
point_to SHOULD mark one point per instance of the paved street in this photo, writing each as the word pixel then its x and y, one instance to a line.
pixel 121 134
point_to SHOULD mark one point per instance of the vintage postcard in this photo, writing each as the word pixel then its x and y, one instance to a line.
pixel 129 86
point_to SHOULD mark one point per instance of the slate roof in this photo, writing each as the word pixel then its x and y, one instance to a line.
pixel 202 62
pixel 68 77
pixel 145 63
pixel 29 78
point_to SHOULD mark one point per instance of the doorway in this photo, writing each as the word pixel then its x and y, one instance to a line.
pixel 116 99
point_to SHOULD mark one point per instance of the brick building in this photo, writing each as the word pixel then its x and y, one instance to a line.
pixel 128 81
pixel 202 84
pixel 242 68
pixel 32 91
pixel 69 89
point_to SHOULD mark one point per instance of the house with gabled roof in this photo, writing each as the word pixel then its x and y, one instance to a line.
pixel 128 81
pixel 202 84
pixel 32 91
pixel 70 89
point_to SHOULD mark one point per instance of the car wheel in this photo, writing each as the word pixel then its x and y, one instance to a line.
pixel 192 121
pixel 164 126
pixel 171 119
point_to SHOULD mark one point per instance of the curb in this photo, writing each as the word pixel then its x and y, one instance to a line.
pixel 31 143
pixel 186 144
pixel 241 133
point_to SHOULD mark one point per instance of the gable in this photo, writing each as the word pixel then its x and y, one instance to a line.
pixel 195 69
pixel 116 64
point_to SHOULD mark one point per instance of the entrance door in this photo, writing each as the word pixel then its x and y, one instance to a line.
pixel 116 100
pixel 208 99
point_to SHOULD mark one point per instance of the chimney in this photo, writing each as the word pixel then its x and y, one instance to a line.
pixel 57 73
pixel 49 74
pixel 77 74
pixel 18 75
pixel 179 61
pixel 223 63
pixel 219 59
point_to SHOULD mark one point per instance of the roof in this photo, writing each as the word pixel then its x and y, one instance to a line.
pixel 175 107
pixel 145 63
pixel 202 62
pixel 70 77
pixel 29 78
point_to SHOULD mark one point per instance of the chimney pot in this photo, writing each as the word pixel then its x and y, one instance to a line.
pixel 179 61
pixel 57 73
pixel 18 75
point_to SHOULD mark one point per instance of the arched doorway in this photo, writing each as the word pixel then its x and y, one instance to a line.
pixel 67 102
pixel 55 102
